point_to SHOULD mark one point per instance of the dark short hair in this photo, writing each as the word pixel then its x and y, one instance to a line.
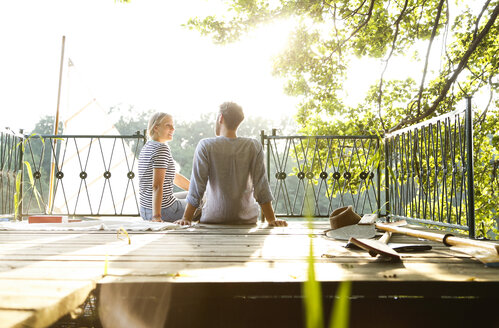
pixel 232 113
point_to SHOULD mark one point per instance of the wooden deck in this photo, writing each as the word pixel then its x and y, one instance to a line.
pixel 193 272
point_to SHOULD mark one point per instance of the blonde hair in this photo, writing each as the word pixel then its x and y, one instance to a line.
pixel 155 119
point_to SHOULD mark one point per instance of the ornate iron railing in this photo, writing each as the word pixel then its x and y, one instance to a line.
pixel 430 171
pixel 10 149
pixel 427 176
pixel 75 175
pixel 311 176
pixel 426 171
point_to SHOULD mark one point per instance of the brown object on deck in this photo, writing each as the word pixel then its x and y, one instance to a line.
pixel 375 247
pixel 447 239
pixel 44 219
pixel 343 216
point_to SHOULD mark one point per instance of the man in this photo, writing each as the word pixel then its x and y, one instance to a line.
pixel 231 170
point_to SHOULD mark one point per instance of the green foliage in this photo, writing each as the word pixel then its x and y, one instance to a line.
pixel 32 184
pixel 312 294
pixel 17 194
pixel 486 161
pixel 19 184
pixel 341 307
pixel 330 34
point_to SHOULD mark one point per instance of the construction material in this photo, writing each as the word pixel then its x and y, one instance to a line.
pixel 44 219
pixel 375 247
pixel 381 247
pixel 485 252
pixel 447 239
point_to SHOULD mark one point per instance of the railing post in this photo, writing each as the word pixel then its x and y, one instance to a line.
pixel 387 177
pixel 378 173
pixel 469 168
pixel 262 139
pixel 19 204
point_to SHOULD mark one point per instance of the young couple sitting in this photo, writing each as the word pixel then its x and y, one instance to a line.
pixel 229 169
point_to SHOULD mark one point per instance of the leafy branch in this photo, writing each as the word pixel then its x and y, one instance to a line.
pixel 427 58
pixel 359 27
pixel 448 83
pixel 380 88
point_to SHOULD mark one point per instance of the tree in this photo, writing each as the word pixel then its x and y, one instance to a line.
pixel 331 35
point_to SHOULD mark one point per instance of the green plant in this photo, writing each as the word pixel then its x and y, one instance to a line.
pixel 314 314
pixel 19 181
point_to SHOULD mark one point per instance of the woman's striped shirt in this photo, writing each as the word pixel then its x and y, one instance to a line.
pixel 155 155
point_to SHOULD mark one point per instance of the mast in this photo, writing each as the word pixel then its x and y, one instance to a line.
pixel 56 130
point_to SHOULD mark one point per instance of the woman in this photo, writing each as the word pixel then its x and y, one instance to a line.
pixel 157 174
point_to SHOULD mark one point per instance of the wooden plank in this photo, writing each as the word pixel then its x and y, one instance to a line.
pixel 37 293
pixel 337 270
pixel 285 272
pixel 46 300
pixel 284 246
pixel 7 266
pixel 15 318
pixel 55 272
pixel 248 253
pixel 152 246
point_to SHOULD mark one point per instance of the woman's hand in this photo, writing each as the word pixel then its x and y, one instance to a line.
pixel 183 222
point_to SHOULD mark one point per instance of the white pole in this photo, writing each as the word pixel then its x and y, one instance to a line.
pixel 56 130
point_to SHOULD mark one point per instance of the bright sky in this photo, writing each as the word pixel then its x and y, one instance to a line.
pixel 133 54
pixel 139 55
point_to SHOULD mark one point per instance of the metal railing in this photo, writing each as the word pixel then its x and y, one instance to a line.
pixel 73 175
pixel 430 171
pixel 427 175
pixel 311 176
pixel 10 149
pixel 426 171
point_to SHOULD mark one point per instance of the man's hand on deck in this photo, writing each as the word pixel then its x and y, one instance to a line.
pixel 268 213
pixel 278 223
pixel 183 222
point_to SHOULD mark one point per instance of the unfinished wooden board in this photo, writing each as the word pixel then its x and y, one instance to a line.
pixel 15 318
pixel 46 301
